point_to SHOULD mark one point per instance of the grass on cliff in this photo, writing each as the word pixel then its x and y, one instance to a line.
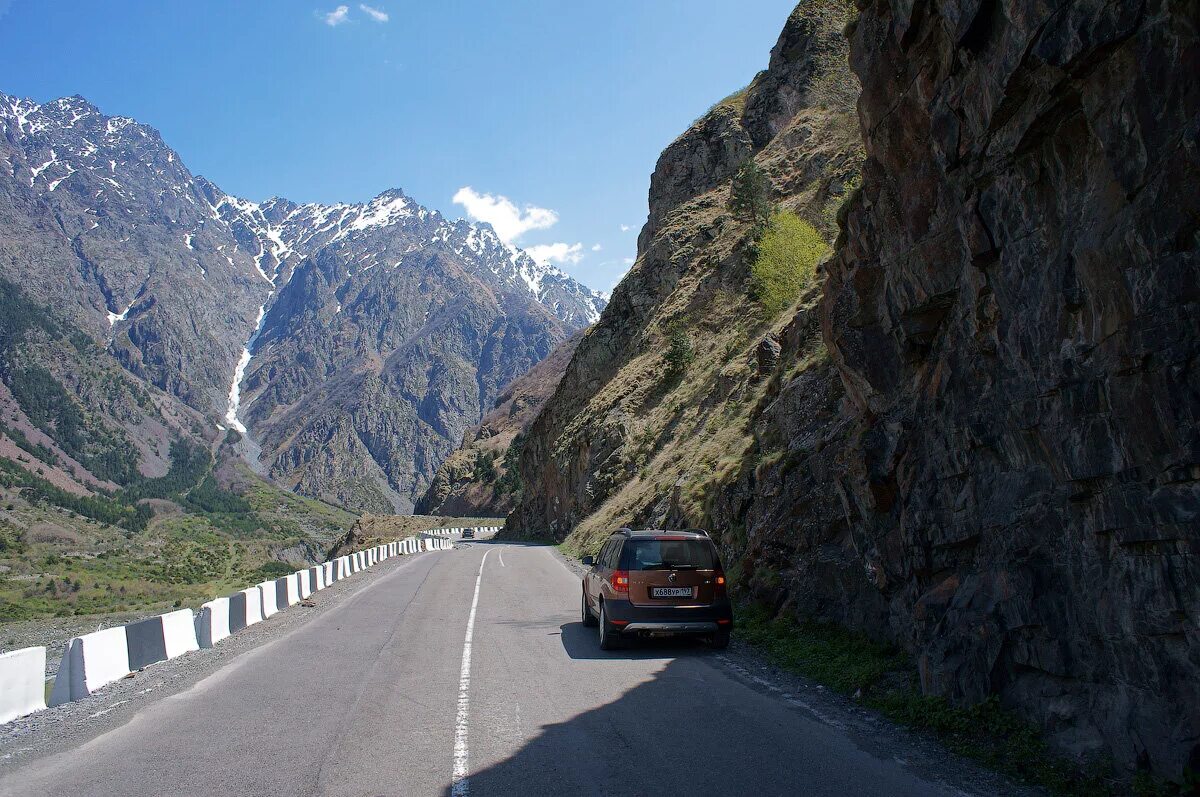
pixel 883 678
pixel 786 262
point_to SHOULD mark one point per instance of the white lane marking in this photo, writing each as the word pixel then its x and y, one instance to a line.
pixel 787 697
pixel 501 552
pixel 459 785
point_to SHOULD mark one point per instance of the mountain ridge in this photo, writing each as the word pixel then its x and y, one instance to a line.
pixel 190 288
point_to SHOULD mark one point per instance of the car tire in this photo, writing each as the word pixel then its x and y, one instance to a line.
pixel 589 619
pixel 608 637
pixel 719 640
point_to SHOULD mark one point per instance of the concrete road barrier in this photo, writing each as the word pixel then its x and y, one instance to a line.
pixel 22 682
pixel 303 585
pixel 287 590
pixel 328 569
pixel 90 662
pixel 212 622
pixel 245 608
pixel 160 638
pixel 316 579
pixel 270 603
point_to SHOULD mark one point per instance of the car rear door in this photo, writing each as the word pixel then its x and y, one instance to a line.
pixel 670 570
pixel 597 577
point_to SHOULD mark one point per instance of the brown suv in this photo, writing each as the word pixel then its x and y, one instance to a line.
pixel 657 583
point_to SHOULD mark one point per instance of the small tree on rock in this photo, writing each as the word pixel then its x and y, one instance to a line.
pixel 750 195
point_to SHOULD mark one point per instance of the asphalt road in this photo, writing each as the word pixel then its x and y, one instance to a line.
pixel 372 698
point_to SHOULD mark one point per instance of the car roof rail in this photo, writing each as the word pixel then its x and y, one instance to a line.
pixel 624 531
pixel 699 531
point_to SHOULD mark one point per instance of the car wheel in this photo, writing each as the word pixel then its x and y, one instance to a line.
pixel 588 619
pixel 719 640
pixel 608 637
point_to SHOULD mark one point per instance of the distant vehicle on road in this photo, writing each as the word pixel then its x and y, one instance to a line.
pixel 657 583
pixel 468 534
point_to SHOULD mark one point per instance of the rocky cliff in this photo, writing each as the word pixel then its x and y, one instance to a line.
pixel 975 435
pixel 1015 317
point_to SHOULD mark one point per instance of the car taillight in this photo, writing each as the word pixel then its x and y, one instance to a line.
pixel 719 583
pixel 619 580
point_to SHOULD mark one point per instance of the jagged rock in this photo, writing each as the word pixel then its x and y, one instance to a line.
pixel 1015 318
pixel 767 355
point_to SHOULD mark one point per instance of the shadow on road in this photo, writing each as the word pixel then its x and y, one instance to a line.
pixel 684 732
pixel 582 642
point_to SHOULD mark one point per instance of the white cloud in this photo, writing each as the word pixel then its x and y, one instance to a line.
pixel 629 261
pixel 337 16
pixel 377 14
pixel 624 228
pixel 556 253
pixel 596 247
pixel 509 221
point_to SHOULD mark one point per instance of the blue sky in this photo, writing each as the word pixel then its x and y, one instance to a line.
pixel 560 108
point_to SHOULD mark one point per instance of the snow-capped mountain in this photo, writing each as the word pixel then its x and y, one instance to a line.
pixel 277 319
pixel 286 232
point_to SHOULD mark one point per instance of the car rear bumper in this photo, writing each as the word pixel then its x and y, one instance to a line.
pixel 627 618
pixel 670 628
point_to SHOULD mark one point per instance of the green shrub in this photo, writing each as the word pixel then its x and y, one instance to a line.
pixel 510 482
pixel 750 195
pixel 786 261
pixel 485 467
pixel 680 352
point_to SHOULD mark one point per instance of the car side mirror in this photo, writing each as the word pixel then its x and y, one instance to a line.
pixel 589 561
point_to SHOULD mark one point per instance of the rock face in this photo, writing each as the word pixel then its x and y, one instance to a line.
pixel 978 438
pixel 1015 318
pixel 353 344
pixel 621 441
pixel 480 478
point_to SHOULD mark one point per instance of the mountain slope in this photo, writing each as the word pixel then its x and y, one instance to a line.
pixel 192 290
pixel 974 435
pixel 480 477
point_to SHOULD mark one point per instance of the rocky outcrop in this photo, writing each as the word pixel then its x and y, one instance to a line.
pixel 978 437
pixel 480 477
pixel 1014 315
pixel 622 440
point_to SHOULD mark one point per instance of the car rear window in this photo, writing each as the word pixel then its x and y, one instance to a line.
pixel 668 554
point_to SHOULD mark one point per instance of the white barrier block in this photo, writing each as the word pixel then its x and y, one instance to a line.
pixel 303 590
pixel 327 569
pixel 287 590
pixel 212 623
pixel 22 682
pixel 316 579
pixel 160 638
pixel 180 633
pixel 270 604
pixel 245 608
pixel 90 662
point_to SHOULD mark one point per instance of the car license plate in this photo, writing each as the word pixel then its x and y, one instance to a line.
pixel 670 592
